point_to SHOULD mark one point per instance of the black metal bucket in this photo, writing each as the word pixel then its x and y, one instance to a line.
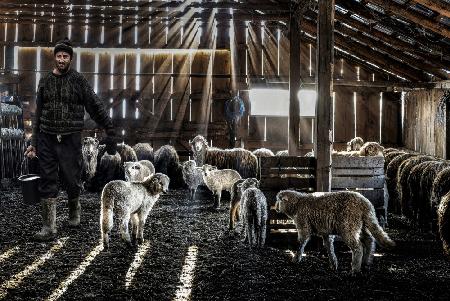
pixel 30 185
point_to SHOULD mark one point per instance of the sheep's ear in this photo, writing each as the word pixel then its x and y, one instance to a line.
pixel 96 141
pixel 190 141
pixel 239 186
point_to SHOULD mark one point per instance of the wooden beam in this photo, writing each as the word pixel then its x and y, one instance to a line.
pixel 441 7
pixel 294 86
pixel 392 8
pixel 325 68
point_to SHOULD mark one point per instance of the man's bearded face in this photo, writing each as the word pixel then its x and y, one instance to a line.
pixel 62 61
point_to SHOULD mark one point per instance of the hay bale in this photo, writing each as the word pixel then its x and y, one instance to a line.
pixel 404 194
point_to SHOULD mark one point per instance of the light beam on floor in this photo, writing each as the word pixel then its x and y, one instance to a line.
pixel 183 292
pixel 8 253
pixel 138 258
pixel 17 279
pixel 62 288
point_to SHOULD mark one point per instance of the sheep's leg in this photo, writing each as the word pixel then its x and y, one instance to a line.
pixel 143 214
pixel 356 247
pixel 233 210
pixel 328 242
pixel 134 226
pixel 262 234
pixel 368 248
pixel 250 230
pixel 302 240
pixel 218 198
pixel 124 228
pixel 107 225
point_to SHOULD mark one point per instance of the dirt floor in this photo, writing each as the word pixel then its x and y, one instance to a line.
pixel 180 231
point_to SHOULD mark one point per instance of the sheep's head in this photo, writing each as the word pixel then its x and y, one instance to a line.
pixel 136 172
pixel 208 168
pixel 355 144
pixel 282 197
pixel 248 183
pixel 164 180
pixel 198 143
pixel 189 165
pixel 371 149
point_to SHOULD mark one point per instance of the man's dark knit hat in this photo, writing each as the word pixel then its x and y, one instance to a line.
pixel 63 45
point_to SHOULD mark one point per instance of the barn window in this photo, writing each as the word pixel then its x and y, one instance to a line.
pixel 275 102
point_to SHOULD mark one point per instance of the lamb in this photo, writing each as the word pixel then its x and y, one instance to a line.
pixel 370 149
pixel 355 144
pixel 129 200
pixel 263 152
pixel 90 153
pixel 192 176
pixel 253 213
pixel 218 180
pixel 239 159
pixel 236 194
pixel 444 223
pixel 137 172
pixel 144 151
pixel 345 213
pixel 127 153
pixel 404 195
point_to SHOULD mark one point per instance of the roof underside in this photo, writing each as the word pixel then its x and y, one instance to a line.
pixel 409 35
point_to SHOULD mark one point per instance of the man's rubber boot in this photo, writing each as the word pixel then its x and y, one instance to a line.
pixel 48 214
pixel 74 212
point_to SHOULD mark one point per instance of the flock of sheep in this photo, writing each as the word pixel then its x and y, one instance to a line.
pixel 134 178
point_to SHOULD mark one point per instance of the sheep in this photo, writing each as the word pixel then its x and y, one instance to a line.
pixel 89 151
pixel 127 153
pixel 282 153
pixel 236 195
pixel 165 157
pixel 430 173
pixel 389 150
pixel 129 200
pixel 370 149
pixel 404 171
pixel 239 159
pixel 443 213
pixel 355 144
pixel 345 213
pixel 416 193
pixel 390 156
pixel 441 185
pixel 192 176
pixel 218 180
pixel 144 151
pixel 263 152
pixel 346 153
pixel 391 178
pixel 253 213
pixel 137 172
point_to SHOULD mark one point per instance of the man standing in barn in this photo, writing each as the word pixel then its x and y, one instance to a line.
pixel 63 96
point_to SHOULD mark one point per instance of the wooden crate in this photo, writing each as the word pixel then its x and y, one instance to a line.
pixel 364 175
pixel 278 173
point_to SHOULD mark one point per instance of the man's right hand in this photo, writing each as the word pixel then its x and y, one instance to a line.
pixel 30 152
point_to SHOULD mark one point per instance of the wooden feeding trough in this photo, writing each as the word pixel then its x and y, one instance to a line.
pixel 278 173
pixel 364 175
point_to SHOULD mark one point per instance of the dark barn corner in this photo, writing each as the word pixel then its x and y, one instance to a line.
pixel 225 150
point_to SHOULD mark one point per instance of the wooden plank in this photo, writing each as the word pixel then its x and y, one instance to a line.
pixel 368 115
pixel 357 172
pixel 391 118
pixel 325 68
pixel 357 182
pixel 306 130
pixel 274 215
pixel 27 61
pixel 270 172
pixel 358 162
pixel 281 226
pixel 277 183
pixel 294 86
pixel 290 161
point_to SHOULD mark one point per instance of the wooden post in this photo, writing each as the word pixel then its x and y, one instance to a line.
pixel 324 62
pixel 294 85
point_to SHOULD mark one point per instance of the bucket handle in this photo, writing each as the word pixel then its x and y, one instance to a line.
pixel 27 165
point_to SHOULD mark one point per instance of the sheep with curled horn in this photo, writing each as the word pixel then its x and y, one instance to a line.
pixel 239 159
pixel 391 180
pixel 426 210
pixel 404 194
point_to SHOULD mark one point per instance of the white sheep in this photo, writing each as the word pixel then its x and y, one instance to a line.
pixel 217 180
pixel 192 176
pixel 253 212
pixel 370 149
pixel 345 213
pixel 129 200
pixel 144 151
pixel 355 144
pixel 263 152
pixel 137 172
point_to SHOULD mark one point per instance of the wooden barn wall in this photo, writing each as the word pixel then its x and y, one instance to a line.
pixel 425 122
pixel 171 100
